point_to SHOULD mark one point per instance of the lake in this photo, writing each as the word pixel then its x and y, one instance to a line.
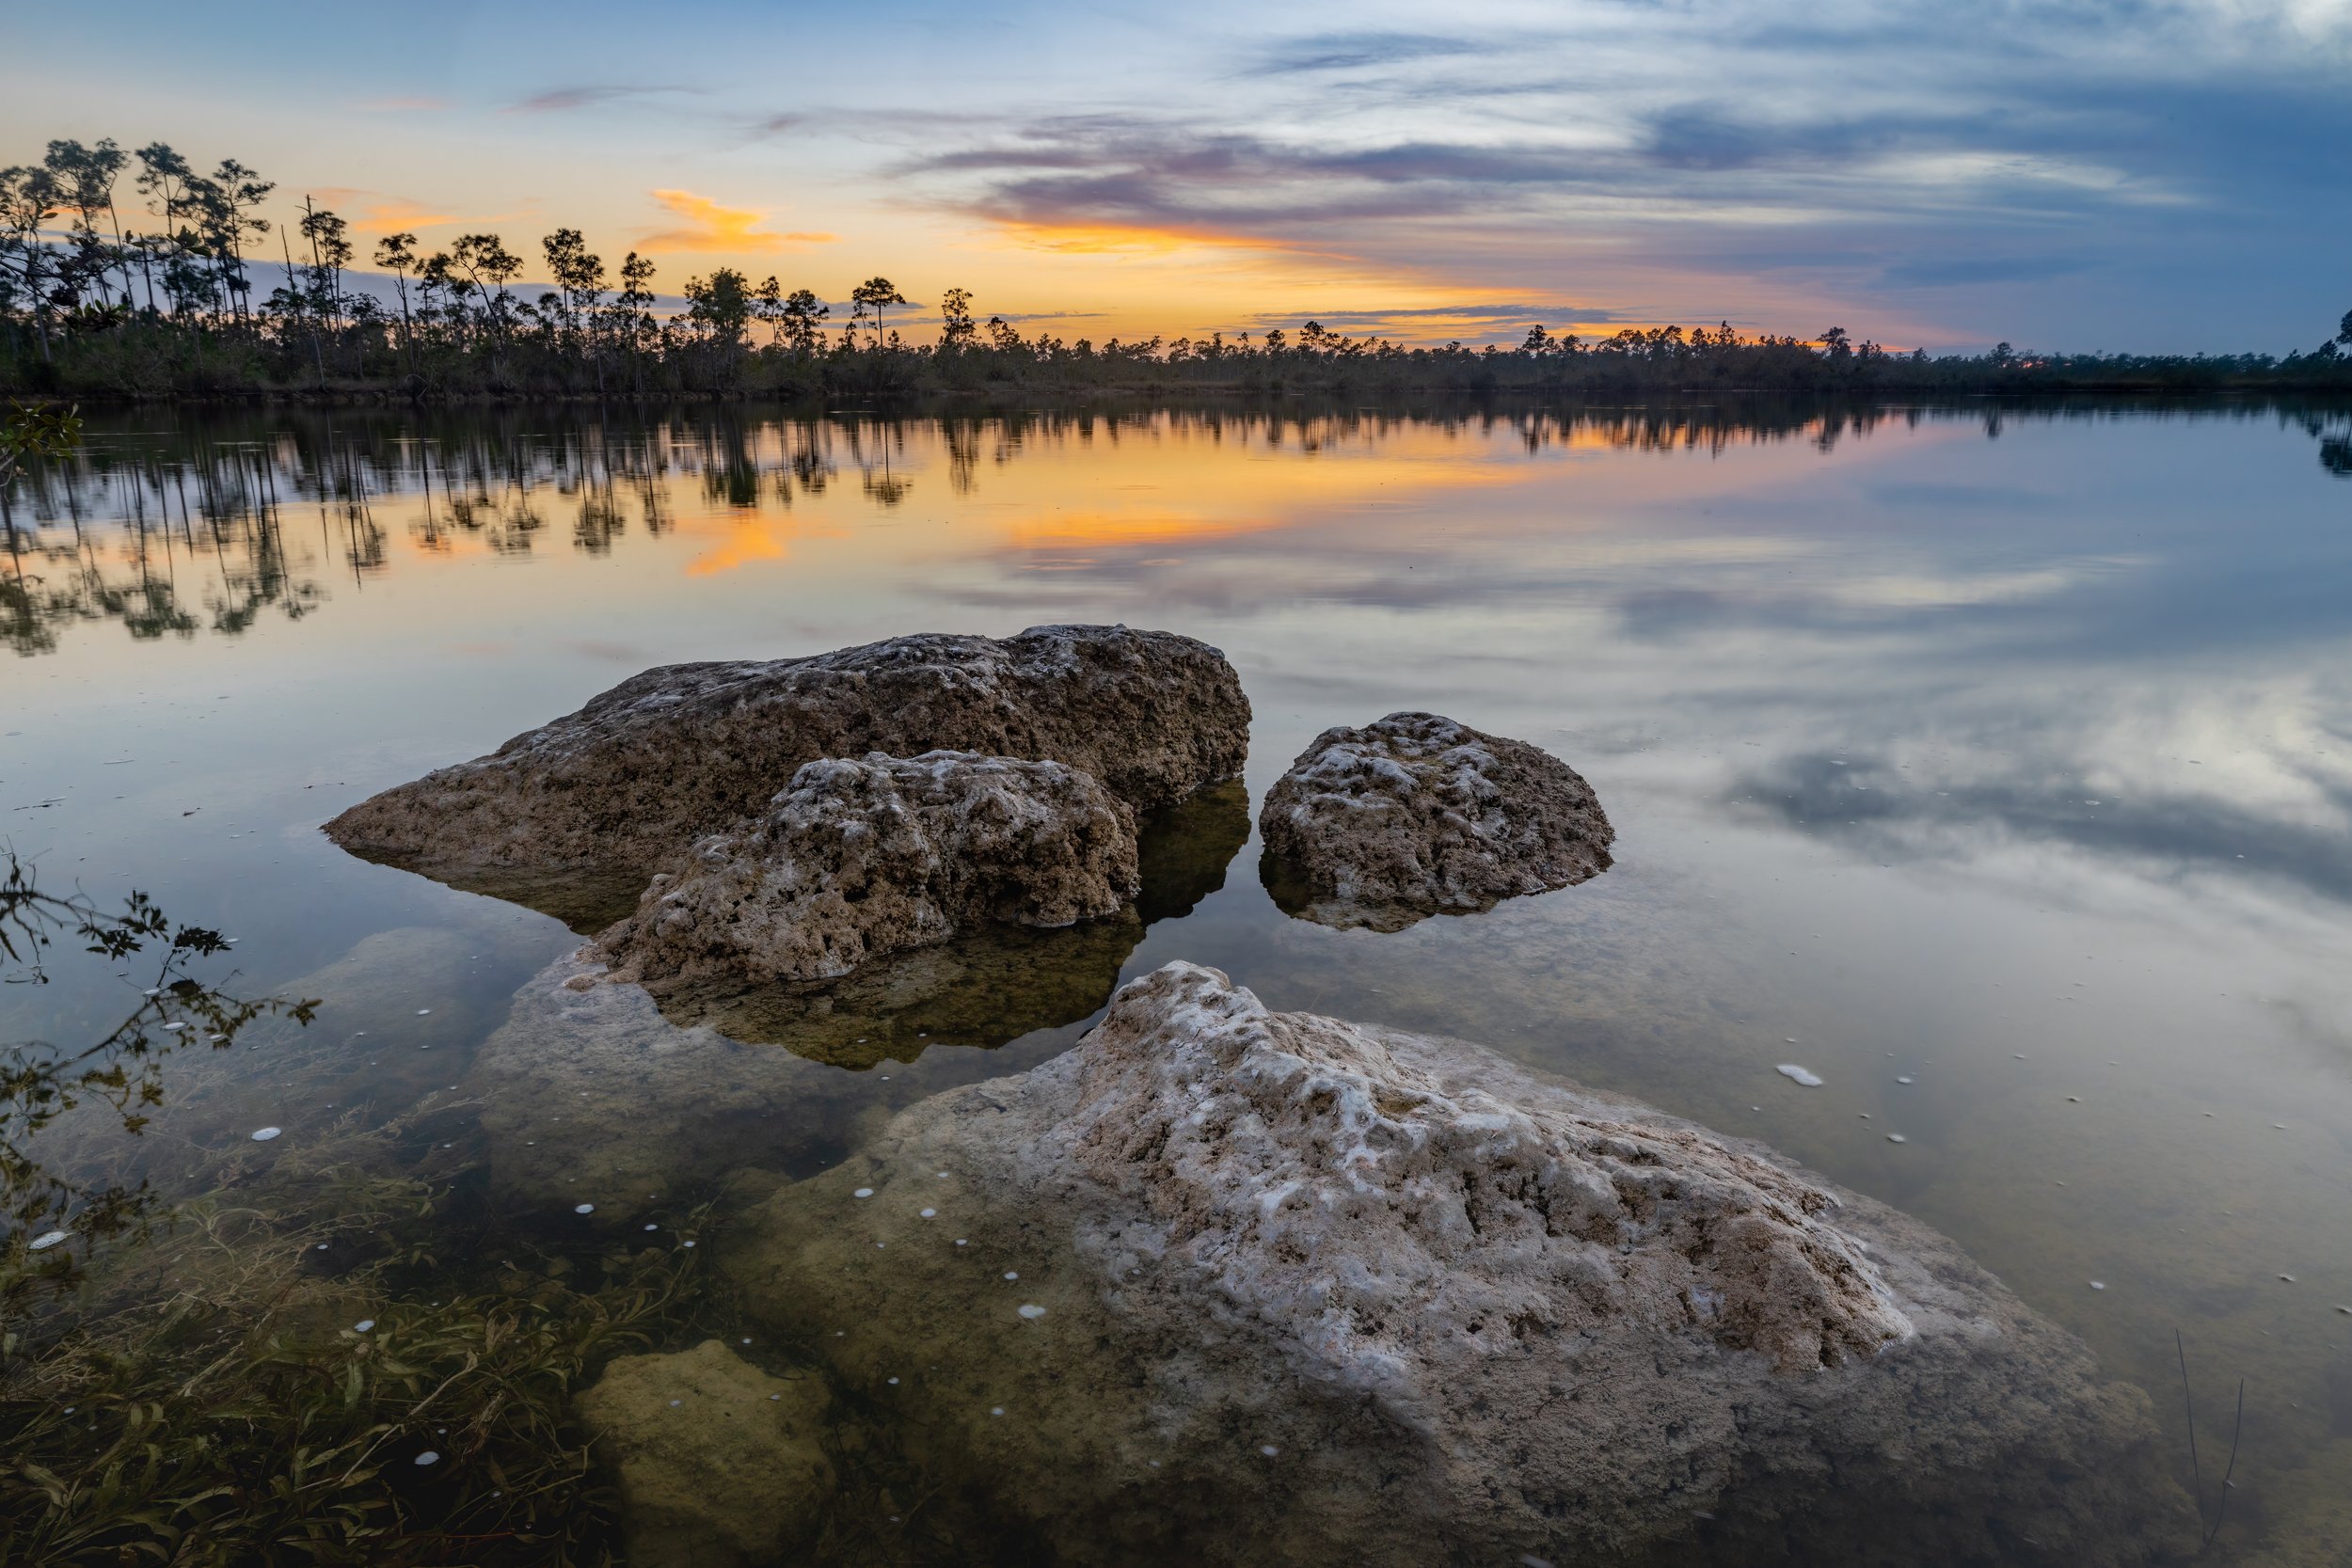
pixel 1994 763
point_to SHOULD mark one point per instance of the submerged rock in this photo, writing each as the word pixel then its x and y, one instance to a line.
pixel 1314 1292
pixel 860 858
pixel 1416 815
pixel 643 770
pixel 713 1471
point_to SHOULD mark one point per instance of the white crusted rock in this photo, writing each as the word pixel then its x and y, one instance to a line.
pixel 1416 815
pixel 858 859
pixel 1315 1291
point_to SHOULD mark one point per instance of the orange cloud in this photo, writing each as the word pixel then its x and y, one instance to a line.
pixel 380 217
pixel 708 226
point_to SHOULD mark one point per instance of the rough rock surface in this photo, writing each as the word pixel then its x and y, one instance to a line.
pixel 1416 815
pixel 862 857
pixel 713 1472
pixel 634 778
pixel 1382 1298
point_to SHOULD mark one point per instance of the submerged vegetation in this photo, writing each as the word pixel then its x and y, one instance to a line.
pixel 287 1364
pixel 93 307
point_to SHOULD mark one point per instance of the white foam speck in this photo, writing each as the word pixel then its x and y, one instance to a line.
pixel 1896 1138
pixel 363 1326
pixel 931 1213
pixel 1031 1310
pixel 995 1409
pixel 265 1134
pixel 428 1457
pixel 1010 1275
pixel 862 1192
pixel 422 1011
pixel 1806 1076
pixel 42 1243
pixel 2098 1283
pixel 1268 1450
pixel 583 1207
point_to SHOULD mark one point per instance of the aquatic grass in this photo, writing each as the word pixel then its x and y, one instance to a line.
pixel 237 1415
pixel 2210 1534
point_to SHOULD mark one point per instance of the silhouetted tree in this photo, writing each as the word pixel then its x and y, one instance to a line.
pixel 956 328
pixel 874 294
pixel 29 197
pixel 396 253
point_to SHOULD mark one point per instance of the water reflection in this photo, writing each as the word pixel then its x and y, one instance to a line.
pixel 215 520
pixel 1934 739
pixel 54 1215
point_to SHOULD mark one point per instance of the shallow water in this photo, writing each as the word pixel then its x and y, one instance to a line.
pixel 1994 765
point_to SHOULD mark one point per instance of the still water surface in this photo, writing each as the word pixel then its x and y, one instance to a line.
pixel 1996 766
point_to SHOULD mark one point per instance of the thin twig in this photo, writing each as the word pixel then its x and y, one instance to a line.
pixel 2196 1477
pixel 2221 1511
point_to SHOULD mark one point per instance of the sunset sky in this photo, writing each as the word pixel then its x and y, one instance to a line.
pixel 2070 174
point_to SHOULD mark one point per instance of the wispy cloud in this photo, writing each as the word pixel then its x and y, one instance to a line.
pixel 586 96
pixel 704 225
pixel 1324 51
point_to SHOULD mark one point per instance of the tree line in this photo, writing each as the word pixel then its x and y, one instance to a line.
pixel 165 305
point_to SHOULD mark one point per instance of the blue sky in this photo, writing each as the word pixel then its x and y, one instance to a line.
pixel 2074 175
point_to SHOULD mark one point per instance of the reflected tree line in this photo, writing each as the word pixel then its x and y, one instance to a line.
pixel 227 521
pixel 133 273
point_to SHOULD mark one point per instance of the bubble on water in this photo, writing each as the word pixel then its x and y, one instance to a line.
pixel 2098 1283
pixel 42 1243
pixel 930 1214
pixel 173 1028
pixel 995 1409
pixel 862 1192
pixel 1896 1138
pixel 892 1382
pixel 583 1207
pixel 428 1457
pixel 653 1227
pixel 2288 1278
pixel 1031 1310
pixel 422 1011
pixel 960 1241
pixel 686 1243
pixel 773 1397
pixel 265 1134
pixel 363 1326
pixel 1900 1079
pixel 1010 1275
pixel 1268 1450
pixel 675 1403
pixel 1796 1075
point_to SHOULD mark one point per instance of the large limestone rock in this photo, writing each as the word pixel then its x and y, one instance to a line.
pixel 718 1464
pixel 1416 815
pixel 863 858
pixel 1225 1286
pixel 634 778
